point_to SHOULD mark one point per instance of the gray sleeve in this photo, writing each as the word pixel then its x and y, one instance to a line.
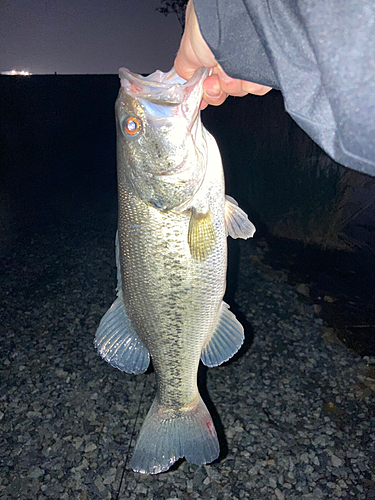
pixel 321 55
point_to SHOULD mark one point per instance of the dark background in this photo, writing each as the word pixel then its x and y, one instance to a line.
pixel 57 153
pixel 58 166
pixel 57 147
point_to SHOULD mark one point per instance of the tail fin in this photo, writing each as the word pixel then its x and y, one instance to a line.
pixel 162 442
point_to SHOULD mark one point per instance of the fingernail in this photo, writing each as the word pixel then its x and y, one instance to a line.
pixel 224 76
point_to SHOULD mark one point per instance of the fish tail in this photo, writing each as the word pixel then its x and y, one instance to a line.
pixel 162 441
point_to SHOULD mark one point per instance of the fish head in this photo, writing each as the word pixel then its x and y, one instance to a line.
pixel 161 150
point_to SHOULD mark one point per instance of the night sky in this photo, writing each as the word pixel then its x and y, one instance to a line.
pixel 86 37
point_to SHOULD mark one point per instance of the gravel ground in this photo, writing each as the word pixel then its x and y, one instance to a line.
pixel 294 410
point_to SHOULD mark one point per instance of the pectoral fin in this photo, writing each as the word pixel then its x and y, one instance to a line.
pixel 201 235
pixel 237 222
pixel 226 339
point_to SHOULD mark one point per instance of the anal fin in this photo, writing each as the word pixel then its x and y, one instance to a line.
pixel 226 339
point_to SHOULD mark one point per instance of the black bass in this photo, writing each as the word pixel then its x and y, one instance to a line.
pixel 171 255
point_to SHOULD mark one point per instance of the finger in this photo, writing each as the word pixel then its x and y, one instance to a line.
pixel 212 92
pixel 184 64
pixel 229 85
pixel 203 105
pixel 239 88
pixel 194 51
pixel 255 88
pixel 214 101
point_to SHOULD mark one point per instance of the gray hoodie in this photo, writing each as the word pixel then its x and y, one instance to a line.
pixel 320 54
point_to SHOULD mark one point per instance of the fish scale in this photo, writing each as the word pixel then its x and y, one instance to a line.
pixel 174 309
pixel 171 255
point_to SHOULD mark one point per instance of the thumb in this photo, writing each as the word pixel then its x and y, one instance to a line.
pixel 194 51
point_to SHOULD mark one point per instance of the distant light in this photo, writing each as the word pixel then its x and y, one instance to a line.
pixel 14 72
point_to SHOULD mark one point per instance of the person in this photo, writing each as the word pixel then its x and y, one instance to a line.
pixel 321 55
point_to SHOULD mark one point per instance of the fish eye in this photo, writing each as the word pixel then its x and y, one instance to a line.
pixel 131 126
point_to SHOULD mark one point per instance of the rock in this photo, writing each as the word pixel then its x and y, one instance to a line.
pixel 279 494
pixel 317 309
pixel 99 484
pixel 329 299
pixel 77 442
pixel 336 461
pixel 328 334
pixel 303 289
pixel 35 472
pixel 109 477
pixel 90 447
pixel 273 483
pixel 141 489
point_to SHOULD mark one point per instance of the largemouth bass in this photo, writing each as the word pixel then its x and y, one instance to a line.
pixel 171 255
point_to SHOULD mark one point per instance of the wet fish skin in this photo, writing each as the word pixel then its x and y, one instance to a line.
pixel 171 259
pixel 166 160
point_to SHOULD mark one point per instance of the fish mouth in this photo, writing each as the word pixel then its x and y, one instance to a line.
pixel 159 87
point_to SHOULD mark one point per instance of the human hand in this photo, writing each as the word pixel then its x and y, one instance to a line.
pixel 195 53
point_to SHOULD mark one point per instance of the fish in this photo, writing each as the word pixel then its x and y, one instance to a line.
pixel 171 257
